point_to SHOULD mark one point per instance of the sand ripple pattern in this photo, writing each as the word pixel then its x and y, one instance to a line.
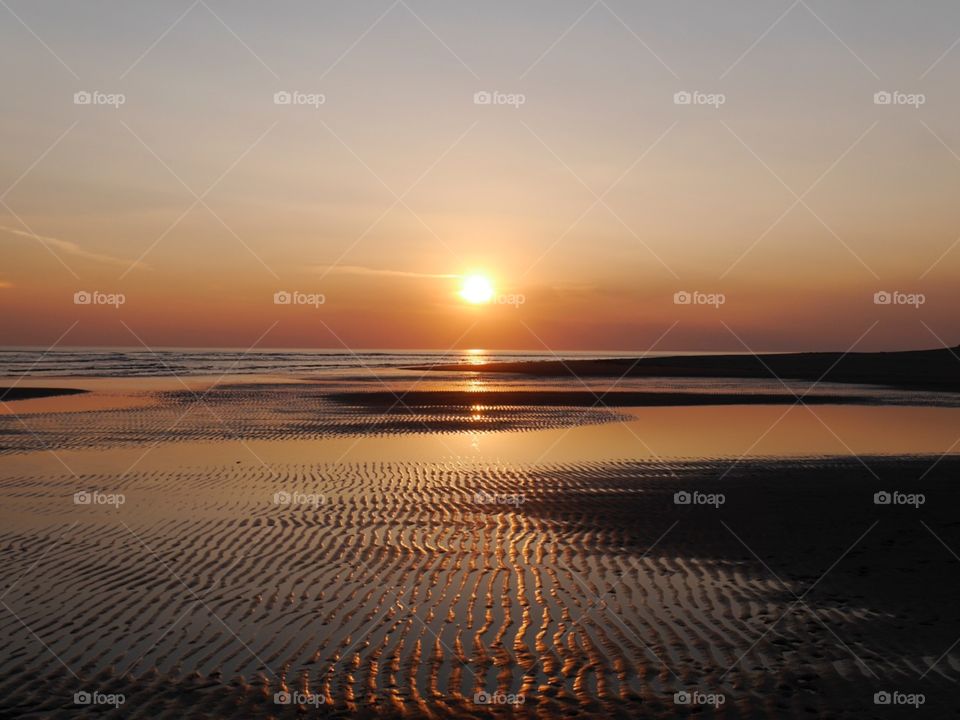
pixel 415 590
pixel 282 411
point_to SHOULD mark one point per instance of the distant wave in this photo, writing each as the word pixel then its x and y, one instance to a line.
pixel 140 363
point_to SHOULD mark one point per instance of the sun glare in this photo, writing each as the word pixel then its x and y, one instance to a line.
pixel 476 289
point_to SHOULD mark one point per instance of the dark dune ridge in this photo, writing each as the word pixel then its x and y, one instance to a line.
pixel 918 369
pixel 30 393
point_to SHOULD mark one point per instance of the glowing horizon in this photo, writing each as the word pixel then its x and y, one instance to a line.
pixel 357 160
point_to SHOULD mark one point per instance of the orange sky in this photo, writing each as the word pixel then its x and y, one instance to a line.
pixel 597 198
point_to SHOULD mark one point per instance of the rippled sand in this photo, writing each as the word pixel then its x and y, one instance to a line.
pixel 264 411
pixel 422 589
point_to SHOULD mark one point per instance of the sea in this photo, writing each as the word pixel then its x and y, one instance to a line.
pixel 182 362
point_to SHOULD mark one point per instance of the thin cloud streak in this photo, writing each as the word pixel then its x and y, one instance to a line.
pixel 71 248
pixel 361 270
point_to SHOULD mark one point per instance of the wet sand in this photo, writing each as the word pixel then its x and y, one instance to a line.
pixel 202 585
pixel 8 394
pixel 574 398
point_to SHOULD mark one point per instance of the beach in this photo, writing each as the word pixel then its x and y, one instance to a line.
pixel 436 360
pixel 471 546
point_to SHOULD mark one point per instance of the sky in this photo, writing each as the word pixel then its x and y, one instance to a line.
pixel 601 163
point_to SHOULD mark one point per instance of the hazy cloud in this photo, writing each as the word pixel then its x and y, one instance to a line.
pixel 360 270
pixel 71 248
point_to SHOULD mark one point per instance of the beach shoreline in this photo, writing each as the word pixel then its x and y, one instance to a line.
pixel 410 552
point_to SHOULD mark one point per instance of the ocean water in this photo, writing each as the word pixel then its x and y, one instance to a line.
pixel 125 362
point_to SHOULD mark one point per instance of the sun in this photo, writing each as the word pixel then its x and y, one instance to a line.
pixel 477 289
